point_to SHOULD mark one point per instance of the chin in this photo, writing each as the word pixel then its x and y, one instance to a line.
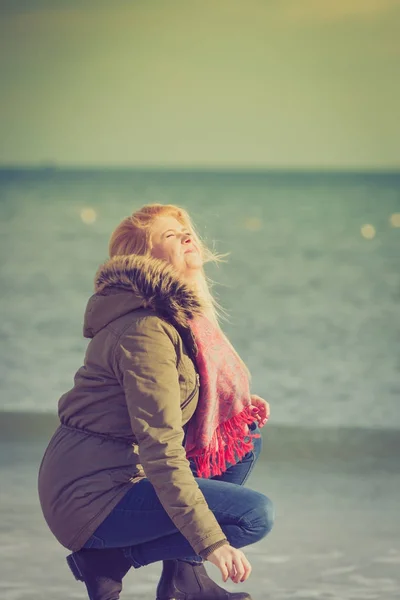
pixel 193 260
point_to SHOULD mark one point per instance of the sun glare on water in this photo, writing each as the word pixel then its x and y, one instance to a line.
pixel 88 215
pixel 395 220
pixel 253 224
pixel 368 232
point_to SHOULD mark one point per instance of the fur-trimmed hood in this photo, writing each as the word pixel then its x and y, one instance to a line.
pixel 127 283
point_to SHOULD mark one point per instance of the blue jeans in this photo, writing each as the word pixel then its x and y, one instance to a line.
pixel 140 525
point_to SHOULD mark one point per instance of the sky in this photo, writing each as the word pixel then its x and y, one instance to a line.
pixel 200 83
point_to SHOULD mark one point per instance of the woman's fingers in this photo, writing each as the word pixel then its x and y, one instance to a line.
pixel 238 571
pixel 241 570
pixel 260 419
pixel 224 570
pixel 261 409
pixel 229 567
pixel 247 569
pixel 231 562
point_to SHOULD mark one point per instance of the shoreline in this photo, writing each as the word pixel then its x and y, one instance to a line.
pixel 281 442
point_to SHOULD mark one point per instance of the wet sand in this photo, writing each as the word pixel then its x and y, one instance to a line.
pixel 336 535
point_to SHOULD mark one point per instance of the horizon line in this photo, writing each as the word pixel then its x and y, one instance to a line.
pixel 231 169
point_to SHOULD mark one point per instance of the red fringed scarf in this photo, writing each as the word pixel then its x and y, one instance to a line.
pixel 216 433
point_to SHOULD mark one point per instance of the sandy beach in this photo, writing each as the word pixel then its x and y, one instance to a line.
pixel 336 535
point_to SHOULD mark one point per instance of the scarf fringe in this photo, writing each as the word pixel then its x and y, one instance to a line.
pixel 227 445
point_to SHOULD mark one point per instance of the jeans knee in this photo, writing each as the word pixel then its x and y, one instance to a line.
pixel 260 519
pixel 268 515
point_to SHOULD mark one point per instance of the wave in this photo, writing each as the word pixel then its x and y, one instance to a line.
pixel 281 442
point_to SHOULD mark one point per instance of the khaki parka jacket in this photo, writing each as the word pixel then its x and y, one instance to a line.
pixel 123 419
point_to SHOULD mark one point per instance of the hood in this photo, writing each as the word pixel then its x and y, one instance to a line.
pixel 126 283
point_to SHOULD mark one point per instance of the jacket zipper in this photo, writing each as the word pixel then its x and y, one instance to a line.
pixel 192 394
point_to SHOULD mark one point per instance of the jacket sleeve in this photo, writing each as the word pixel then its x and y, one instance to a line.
pixel 147 364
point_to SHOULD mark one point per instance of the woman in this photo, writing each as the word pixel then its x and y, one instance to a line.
pixel 159 433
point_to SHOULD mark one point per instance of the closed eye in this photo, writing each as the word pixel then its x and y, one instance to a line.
pixel 172 233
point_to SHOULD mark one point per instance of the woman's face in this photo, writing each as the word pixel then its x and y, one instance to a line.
pixel 174 243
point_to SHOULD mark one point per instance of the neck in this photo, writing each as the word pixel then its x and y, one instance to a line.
pixel 196 281
pixel 193 279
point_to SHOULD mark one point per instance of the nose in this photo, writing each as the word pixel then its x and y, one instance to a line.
pixel 186 238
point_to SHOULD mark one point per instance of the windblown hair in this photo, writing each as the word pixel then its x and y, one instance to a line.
pixel 133 236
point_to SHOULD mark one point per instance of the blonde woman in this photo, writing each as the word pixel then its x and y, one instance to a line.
pixel 160 431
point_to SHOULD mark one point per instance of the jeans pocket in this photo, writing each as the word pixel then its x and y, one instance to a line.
pixel 95 543
pixel 248 461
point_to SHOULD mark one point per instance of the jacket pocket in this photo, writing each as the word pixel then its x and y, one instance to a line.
pixel 125 474
pixel 193 393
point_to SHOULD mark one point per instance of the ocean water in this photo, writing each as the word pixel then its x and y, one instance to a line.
pixel 312 293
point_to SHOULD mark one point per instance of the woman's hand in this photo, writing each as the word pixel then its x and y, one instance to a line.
pixel 260 409
pixel 231 562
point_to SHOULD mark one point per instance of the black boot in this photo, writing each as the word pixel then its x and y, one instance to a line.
pixel 101 571
pixel 189 581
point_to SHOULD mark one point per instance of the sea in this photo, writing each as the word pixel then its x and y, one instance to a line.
pixel 310 286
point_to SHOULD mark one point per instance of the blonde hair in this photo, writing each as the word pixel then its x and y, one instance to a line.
pixel 133 236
